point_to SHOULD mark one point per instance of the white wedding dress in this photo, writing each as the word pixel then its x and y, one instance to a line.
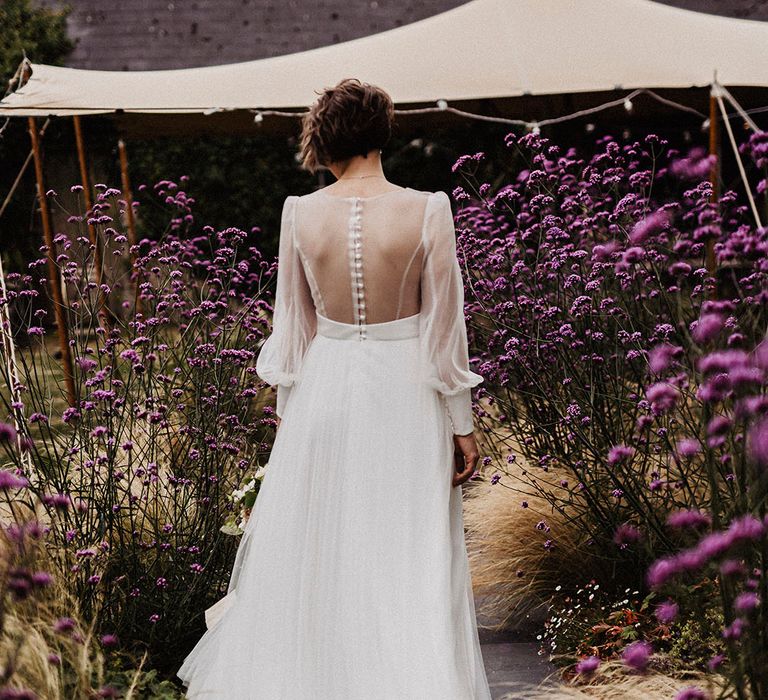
pixel 351 581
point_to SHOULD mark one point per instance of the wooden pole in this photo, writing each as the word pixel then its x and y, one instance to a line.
pixel 98 258
pixel 129 215
pixel 53 271
pixel 714 178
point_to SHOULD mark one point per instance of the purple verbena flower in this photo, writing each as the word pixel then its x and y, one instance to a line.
pixel 109 640
pixel 587 666
pixel 688 447
pixel 648 227
pixel 722 361
pixel 7 432
pixel 663 396
pixel 716 662
pixel 708 327
pixel 9 481
pixel 746 602
pixel 637 655
pixel 625 534
pixel 667 611
pixel 692 693
pixel 688 519
pixel 619 454
pixel 735 629
pixel 661 571
pixel 660 357
pixel 64 624
pixel 732 567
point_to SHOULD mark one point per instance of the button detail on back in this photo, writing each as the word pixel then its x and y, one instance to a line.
pixel 356 265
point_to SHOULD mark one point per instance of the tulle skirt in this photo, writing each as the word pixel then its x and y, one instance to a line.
pixel 351 581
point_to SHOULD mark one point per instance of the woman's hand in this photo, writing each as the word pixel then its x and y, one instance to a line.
pixel 465 457
pixel 277 424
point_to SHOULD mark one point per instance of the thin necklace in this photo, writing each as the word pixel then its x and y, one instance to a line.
pixel 354 177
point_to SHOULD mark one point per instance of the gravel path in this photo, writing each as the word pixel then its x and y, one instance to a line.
pixel 512 663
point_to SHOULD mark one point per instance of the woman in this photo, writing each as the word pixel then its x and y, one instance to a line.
pixel 351 581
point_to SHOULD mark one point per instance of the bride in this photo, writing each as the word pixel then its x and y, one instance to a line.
pixel 351 581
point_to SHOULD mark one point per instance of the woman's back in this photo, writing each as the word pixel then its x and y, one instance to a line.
pixel 363 256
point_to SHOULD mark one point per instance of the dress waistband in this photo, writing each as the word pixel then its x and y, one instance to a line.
pixel 400 328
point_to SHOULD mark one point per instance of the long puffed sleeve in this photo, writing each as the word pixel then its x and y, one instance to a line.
pixel 294 320
pixel 443 330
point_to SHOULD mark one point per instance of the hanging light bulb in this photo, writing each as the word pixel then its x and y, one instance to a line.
pixel 442 104
pixel 258 118
pixel 628 105
pixel 589 127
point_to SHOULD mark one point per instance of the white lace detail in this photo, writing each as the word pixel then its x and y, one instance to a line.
pixel 356 266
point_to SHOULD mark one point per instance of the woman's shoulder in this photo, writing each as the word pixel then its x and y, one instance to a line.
pixel 429 193
pixel 328 192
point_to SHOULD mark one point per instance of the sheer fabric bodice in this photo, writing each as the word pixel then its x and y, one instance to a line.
pixel 371 260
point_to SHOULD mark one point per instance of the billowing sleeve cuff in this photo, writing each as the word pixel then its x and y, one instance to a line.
pixel 459 407
pixel 283 393
pixel 457 396
pixel 270 368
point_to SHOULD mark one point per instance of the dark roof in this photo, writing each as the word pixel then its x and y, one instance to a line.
pixel 156 34
pixel 741 9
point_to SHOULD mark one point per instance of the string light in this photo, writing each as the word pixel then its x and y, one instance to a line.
pixel 443 106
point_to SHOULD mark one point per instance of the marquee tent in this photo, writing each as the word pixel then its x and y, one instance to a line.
pixel 489 51
pixel 480 50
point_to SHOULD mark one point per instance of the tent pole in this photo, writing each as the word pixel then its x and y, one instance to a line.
pixel 98 260
pixel 129 215
pixel 53 272
pixel 714 178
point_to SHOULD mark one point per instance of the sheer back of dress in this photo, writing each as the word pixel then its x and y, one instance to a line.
pixel 370 260
pixel 363 255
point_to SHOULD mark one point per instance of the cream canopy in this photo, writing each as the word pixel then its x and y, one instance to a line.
pixel 482 49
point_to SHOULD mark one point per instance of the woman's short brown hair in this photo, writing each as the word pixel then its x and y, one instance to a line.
pixel 347 120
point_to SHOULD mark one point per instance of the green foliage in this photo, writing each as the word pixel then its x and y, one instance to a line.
pixel 127 675
pixel 235 180
pixel 696 638
pixel 37 32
